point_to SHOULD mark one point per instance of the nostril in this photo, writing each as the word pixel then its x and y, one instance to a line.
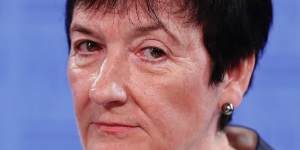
pixel 113 104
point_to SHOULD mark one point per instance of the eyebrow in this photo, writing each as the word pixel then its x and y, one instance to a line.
pixel 137 31
pixel 81 29
pixel 142 30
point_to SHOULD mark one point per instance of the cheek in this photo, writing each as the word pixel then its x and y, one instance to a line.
pixel 175 103
pixel 186 97
pixel 80 81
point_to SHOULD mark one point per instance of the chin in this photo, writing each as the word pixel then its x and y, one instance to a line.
pixel 131 140
pixel 117 145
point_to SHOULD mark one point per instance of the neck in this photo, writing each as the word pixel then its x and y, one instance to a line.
pixel 213 139
pixel 217 142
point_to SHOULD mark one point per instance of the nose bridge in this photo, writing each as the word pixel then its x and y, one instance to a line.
pixel 108 85
pixel 109 71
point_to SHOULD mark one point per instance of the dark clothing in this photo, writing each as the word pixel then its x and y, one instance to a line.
pixel 242 138
pixel 262 145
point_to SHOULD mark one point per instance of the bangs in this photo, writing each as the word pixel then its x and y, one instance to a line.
pixel 150 7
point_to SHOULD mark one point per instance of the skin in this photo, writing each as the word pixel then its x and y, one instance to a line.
pixel 128 98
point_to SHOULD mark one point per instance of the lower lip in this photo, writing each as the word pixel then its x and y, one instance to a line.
pixel 114 129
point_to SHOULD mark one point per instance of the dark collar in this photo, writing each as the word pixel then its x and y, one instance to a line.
pixel 242 138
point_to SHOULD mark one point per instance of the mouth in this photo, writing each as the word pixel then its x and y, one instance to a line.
pixel 114 128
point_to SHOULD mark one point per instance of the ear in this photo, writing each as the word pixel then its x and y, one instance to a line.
pixel 236 82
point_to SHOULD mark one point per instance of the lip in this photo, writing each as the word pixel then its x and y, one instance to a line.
pixel 114 127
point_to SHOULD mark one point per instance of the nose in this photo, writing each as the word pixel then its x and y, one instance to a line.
pixel 108 88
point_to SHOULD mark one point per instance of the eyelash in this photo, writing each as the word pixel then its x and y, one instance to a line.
pixel 86 48
pixel 157 54
pixel 93 46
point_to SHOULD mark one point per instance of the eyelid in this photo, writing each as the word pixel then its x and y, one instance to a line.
pixel 164 55
pixel 148 43
pixel 143 47
pixel 76 45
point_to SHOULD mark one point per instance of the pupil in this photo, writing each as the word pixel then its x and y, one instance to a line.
pixel 90 45
pixel 156 53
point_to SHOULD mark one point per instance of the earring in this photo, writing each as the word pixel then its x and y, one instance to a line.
pixel 227 109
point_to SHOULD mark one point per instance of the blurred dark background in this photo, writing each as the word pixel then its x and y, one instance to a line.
pixel 36 106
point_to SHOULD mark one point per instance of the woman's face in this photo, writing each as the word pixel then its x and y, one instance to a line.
pixel 138 84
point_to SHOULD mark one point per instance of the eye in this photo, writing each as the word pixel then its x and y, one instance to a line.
pixel 86 52
pixel 87 47
pixel 153 53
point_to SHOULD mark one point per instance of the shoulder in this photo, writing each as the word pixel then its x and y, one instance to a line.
pixel 243 138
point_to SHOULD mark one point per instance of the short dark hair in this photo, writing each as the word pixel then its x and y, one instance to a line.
pixel 233 30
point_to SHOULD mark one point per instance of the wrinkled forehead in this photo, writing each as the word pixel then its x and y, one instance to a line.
pixel 137 11
pixel 150 6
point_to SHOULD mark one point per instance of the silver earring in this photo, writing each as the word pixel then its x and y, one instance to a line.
pixel 227 109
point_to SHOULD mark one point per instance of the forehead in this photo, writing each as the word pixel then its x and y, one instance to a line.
pixel 135 11
pixel 134 21
pixel 123 5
